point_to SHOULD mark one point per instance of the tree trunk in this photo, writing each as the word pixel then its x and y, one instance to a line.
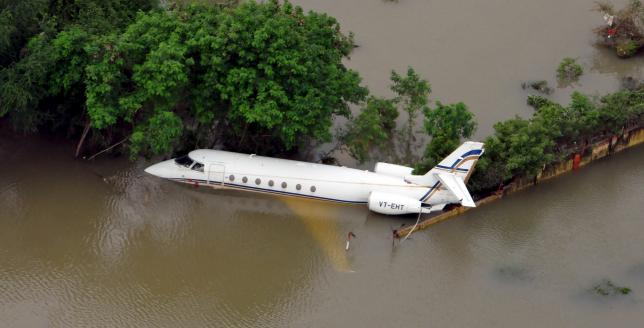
pixel 108 148
pixel 82 139
pixel 241 140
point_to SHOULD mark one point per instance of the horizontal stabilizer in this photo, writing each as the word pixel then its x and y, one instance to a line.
pixel 456 185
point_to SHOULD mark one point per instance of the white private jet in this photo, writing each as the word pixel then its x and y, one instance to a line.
pixel 390 189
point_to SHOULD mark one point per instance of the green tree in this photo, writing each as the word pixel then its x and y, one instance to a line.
pixel 267 72
pixel 523 146
pixel 446 125
pixel 412 94
pixel 42 81
pixel 280 71
pixel 25 83
pixel 621 109
pixel 518 147
pixel 256 75
pixel 372 128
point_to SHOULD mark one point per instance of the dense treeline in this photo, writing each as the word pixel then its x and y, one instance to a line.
pixel 523 147
pixel 263 78
pixel 517 148
pixel 38 85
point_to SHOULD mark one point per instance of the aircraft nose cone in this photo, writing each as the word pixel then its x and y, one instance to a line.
pixel 156 170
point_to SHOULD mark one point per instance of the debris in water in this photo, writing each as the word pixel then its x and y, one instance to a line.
pixel 349 236
pixel 540 86
pixel 607 287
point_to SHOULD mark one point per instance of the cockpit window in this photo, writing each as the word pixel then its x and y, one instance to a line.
pixel 184 161
pixel 198 167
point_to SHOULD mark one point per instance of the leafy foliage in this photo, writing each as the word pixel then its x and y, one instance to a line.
pixel 372 128
pixel 412 94
pixel 522 147
pixel 569 70
pixel 375 127
pixel 536 101
pixel 253 75
pixel 447 125
pixel 44 59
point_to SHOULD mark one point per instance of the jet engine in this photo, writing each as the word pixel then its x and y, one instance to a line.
pixel 392 169
pixel 393 204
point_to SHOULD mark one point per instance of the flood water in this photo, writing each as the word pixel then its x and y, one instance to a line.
pixel 102 244
pixel 479 52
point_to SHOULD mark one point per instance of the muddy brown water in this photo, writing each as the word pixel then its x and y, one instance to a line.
pixel 479 52
pixel 101 244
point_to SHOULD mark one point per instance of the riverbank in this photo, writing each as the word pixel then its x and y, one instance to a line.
pixel 598 150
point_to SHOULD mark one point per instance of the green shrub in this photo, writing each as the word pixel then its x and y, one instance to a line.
pixel 607 287
pixel 536 101
pixel 569 70
pixel 627 48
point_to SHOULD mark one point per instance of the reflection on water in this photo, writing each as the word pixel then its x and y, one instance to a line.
pixel 320 222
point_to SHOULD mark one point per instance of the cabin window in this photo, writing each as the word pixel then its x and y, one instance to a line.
pixel 258 181
pixel 184 161
pixel 244 179
pixel 298 186
pixel 312 188
pixel 283 184
pixel 231 177
pixel 271 183
pixel 198 167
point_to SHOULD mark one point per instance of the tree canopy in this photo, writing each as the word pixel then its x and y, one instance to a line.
pixel 447 125
pixel 258 74
pixel 371 129
pixel 523 147
pixel 412 93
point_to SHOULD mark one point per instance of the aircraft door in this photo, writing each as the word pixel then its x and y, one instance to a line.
pixel 216 173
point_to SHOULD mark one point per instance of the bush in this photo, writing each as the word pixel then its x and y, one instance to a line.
pixel 536 101
pixel 626 34
pixel 569 70
pixel 626 48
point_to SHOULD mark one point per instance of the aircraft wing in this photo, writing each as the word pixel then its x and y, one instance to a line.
pixel 456 185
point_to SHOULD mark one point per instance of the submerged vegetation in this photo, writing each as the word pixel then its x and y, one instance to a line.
pixel 608 288
pixel 624 28
pixel 540 86
pixel 569 70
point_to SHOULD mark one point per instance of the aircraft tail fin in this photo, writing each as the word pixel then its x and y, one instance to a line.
pixel 460 162
pixel 453 172
pixel 456 186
